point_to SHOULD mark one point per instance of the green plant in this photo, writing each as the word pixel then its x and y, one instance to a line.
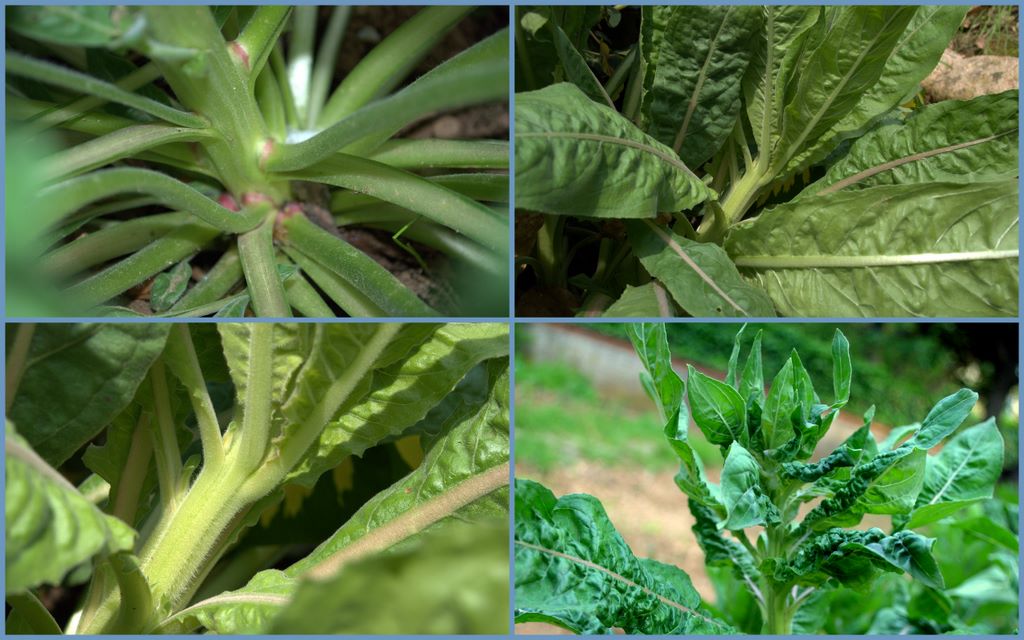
pixel 211 429
pixel 228 118
pixel 783 556
pixel 748 161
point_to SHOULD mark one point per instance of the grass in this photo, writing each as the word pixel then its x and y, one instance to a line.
pixel 562 419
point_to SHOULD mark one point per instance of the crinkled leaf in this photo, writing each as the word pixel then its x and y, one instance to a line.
pixel 98 368
pixel 952 141
pixel 694 97
pixel 718 549
pixel 699 275
pixel 573 569
pixel 965 471
pixel 453 581
pixel 576 157
pixel 463 476
pixel 50 527
pixel 866 253
pixel 717 409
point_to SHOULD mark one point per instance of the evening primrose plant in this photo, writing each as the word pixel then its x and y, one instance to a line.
pixel 257 477
pixel 209 163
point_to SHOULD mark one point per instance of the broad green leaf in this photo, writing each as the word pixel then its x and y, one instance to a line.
pixel 451 582
pixel 777 49
pixel 745 502
pixel 952 141
pixel 98 368
pixel 576 157
pixel 463 476
pixel 965 471
pixel 699 275
pixel 848 57
pixel 646 301
pixel 842 369
pixel 694 98
pixel 943 419
pixel 50 527
pixel 717 409
pixel 752 380
pixel 87 26
pixel 865 253
pixel 574 570
pixel 168 287
pixel 400 394
pixel 915 55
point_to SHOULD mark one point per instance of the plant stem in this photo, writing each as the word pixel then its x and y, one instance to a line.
pixel 260 35
pixel 249 447
pixel 217 86
pixel 303 297
pixel 116 145
pixel 184 363
pixel 125 502
pixel 17 361
pixel 165 440
pixel 390 61
pixel 259 265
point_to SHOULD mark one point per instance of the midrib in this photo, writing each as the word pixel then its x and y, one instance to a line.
pixel 863 261
pixel 953 475
pixel 597 137
pixel 712 48
pixel 832 97
pixel 616 576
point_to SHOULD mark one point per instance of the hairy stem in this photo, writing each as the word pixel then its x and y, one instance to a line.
pixel 259 265
pixel 17 361
pixel 165 441
pixel 184 364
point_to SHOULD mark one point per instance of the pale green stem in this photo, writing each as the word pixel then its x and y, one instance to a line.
pixel 117 145
pixel 184 364
pixel 26 606
pixel 259 36
pixel 259 265
pixel 249 447
pixel 440 154
pixel 165 441
pixel 126 501
pixel 326 57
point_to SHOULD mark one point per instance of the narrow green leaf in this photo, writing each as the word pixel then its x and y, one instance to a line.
pixel 864 253
pixel 576 157
pixel 778 406
pixel 943 419
pixel 842 369
pixel 576 68
pixel 700 276
pixel 168 287
pixel 86 26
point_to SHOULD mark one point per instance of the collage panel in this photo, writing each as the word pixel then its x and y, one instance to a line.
pixel 257 478
pixel 268 161
pixel 749 161
pixel 773 478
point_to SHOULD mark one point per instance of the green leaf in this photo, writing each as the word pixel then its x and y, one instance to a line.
pixel 463 476
pixel 865 253
pixel 952 141
pixel 848 56
pixel 964 472
pixel 86 26
pixel 576 68
pixel 168 287
pixel 777 49
pixel 98 368
pixel 752 380
pixel 910 552
pixel 717 409
pixel 453 581
pixel 719 550
pixel 662 383
pixel 646 301
pixel 398 395
pixel 778 407
pixel 854 557
pixel 699 275
pixel 576 157
pixel 842 369
pixel 694 97
pixel 50 527
pixel 731 377
pixel 943 419
pixel 574 570
pixel 745 502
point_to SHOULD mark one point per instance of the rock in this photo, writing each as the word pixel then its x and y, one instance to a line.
pixel 959 77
